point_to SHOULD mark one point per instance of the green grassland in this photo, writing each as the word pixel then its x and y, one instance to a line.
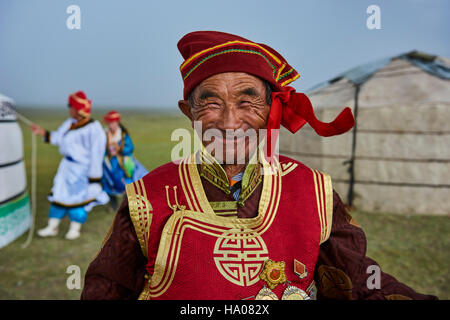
pixel 414 249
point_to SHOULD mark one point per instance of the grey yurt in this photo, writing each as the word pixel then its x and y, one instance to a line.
pixel 397 157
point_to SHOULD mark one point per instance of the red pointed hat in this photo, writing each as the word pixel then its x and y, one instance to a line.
pixel 81 103
pixel 207 53
pixel 112 116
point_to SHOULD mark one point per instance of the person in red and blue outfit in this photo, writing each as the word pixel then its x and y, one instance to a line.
pixel 119 165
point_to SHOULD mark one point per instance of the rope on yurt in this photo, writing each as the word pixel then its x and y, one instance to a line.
pixel 33 180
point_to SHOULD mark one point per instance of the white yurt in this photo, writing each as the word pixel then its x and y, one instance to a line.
pixel 397 157
pixel 15 216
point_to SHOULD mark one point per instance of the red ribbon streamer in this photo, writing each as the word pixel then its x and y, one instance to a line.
pixel 293 110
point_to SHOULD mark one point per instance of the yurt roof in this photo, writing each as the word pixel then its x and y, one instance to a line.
pixel 6 108
pixel 409 78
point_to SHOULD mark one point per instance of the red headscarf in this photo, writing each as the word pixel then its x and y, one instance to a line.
pixel 207 53
pixel 81 103
pixel 112 116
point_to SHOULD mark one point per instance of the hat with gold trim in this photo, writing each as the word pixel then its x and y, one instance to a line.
pixel 207 53
pixel 81 103
pixel 112 116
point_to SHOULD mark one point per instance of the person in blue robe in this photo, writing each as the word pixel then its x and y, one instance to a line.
pixel 119 166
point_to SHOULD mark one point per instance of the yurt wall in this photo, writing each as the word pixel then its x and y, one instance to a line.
pixel 15 216
pixel 401 154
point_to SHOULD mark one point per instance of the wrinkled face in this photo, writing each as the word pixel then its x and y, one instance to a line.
pixel 225 103
pixel 113 125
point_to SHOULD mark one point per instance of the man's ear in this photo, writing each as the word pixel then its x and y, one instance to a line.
pixel 185 108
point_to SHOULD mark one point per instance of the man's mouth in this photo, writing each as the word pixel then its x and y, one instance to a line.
pixel 230 140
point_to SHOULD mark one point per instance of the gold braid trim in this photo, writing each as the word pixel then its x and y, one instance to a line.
pixel 145 294
pixel 328 204
pixel 140 212
pixel 324 198
pixel 141 216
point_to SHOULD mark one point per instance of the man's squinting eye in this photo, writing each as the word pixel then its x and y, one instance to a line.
pixel 246 103
pixel 211 105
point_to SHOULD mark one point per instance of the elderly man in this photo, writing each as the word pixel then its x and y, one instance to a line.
pixel 256 226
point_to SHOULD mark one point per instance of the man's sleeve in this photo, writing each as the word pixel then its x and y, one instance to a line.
pixel 117 272
pixel 343 269
pixel 54 137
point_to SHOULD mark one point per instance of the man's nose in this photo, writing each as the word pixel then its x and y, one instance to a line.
pixel 231 119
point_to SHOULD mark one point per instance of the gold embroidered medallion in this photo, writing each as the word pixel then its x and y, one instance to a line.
pixel 273 273
pixel 240 256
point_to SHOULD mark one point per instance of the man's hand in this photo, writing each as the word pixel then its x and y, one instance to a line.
pixel 36 129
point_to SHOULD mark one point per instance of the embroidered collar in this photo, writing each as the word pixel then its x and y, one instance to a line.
pixel 81 123
pixel 210 169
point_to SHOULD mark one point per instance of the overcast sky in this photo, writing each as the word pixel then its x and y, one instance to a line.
pixel 125 53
